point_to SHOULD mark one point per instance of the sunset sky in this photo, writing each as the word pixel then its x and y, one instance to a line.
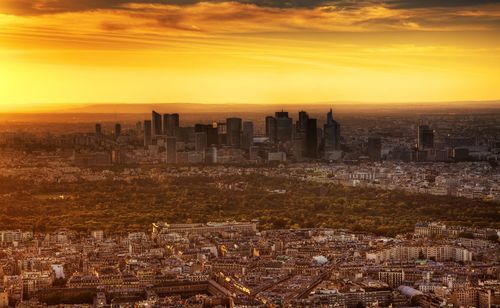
pixel 55 52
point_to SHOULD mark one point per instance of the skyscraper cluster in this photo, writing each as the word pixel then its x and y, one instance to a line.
pixel 206 142
pixel 162 131
pixel 160 127
pixel 305 139
pixel 165 133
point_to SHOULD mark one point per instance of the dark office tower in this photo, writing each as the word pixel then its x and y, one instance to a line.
pixel 171 150
pixel 138 126
pixel 300 149
pixel 222 133
pixel 320 138
pixel 247 135
pixel 374 148
pixel 118 130
pixel 212 134
pixel 185 134
pixel 284 127
pixel 331 131
pixel 425 138
pixel 198 128
pixel 271 129
pixel 200 140
pixel 233 126
pixel 301 125
pixel 170 124
pixel 147 133
pixel 312 138
pixel 98 129
pixel 299 146
pixel 156 123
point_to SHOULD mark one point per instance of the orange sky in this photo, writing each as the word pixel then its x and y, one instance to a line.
pixel 261 51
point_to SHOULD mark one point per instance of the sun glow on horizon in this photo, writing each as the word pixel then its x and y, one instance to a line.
pixel 221 52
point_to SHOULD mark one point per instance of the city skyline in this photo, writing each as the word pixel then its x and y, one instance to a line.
pixel 58 52
pixel 249 153
pixel 272 209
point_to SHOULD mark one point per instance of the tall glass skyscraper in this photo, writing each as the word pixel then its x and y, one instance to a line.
pixel 170 124
pixel 233 137
pixel 156 123
pixel 331 131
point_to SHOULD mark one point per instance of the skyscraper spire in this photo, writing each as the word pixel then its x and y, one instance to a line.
pixel 329 117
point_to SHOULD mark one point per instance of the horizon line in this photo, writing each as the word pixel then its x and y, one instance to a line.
pixel 73 107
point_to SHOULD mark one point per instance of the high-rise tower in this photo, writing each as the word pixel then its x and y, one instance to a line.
pixel 425 138
pixel 156 123
pixel 247 135
pixel 284 126
pixel 170 124
pixel 233 137
pixel 331 131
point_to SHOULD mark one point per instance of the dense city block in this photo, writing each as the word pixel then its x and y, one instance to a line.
pixel 262 211
pixel 235 264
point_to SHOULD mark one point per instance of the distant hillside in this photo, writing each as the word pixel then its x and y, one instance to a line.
pixel 195 112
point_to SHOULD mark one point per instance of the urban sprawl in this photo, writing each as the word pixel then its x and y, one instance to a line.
pixel 233 264
pixel 250 262
pixel 456 160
